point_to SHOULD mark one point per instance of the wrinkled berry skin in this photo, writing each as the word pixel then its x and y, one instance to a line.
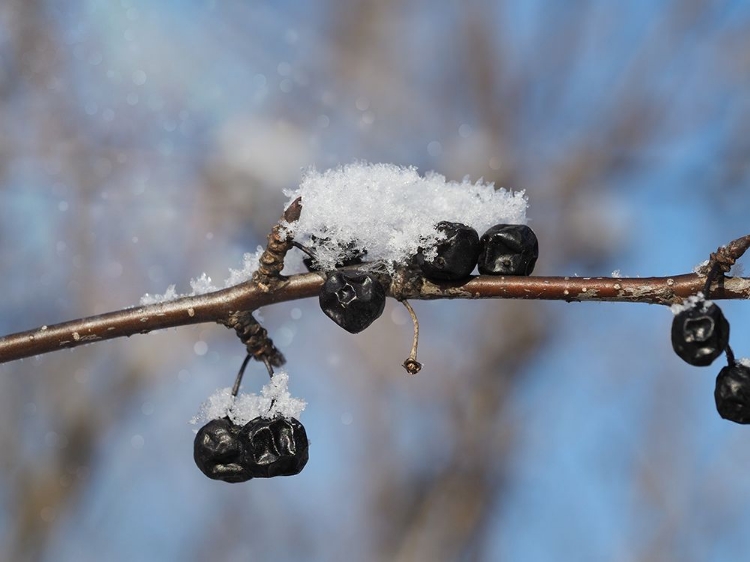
pixel 352 299
pixel 274 447
pixel 456 254
pixel 218 452
pixel 732 393
pixel 508 249
pixel 700 334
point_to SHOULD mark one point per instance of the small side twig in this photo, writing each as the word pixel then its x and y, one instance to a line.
pixel 255 337
pixel 271 261
pixel 722 260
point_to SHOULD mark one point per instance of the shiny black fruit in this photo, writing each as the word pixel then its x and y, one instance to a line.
pixel 456 255
pixel 218 452
pixel 274 447
pixel 352 299
pixel 700 334
pixel 508 249
pixel 732 393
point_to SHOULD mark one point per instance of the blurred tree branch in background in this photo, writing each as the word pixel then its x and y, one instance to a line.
pixel 130 136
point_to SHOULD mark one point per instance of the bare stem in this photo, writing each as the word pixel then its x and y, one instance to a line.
pixel 411 364
pixel 240 374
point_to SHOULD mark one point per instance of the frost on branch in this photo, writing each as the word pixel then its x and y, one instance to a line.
pixel 203 284
pixel 274 400
pixel 391 211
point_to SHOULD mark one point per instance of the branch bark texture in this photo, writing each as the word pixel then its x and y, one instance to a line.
pixel 219 306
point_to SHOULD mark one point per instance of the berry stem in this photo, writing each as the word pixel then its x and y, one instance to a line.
pixel 411 365
pixel 240 374
pixel 305 249
pixel 730 356
pixel 269 367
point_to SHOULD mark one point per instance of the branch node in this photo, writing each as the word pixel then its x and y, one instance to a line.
pixel 271 261
pixel 722 260
pixel 255 337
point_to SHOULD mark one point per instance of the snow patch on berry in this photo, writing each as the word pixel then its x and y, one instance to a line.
pixel 391 211
pixel 274 400
pixel 203 284
pixel 691 302
pixel 744 361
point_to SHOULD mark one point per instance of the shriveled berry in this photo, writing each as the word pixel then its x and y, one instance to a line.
pixel 700 334
pixel 218 452
pixel 456 255
pixel 274 447
pixel 732 393
pixel 508 249
pixel 352 299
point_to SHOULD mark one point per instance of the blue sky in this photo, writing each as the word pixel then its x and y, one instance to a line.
pixel 189 118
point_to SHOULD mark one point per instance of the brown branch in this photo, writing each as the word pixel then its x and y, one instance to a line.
pixel 233 307
pixel 219 306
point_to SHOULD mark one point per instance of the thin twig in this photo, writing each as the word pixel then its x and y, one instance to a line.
pixel 271 262
pixel 255 337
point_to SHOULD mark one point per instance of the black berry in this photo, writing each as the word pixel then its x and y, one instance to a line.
pixel 732 393
pixel 700 334
pixel 274 447
pixel 508 249
pixel 456 255
pixel 218 452
pixel 352 299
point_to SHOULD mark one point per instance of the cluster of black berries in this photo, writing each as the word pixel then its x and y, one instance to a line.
pixel 505 249
pixel 262 448
pixel 700 333
pixel 355 299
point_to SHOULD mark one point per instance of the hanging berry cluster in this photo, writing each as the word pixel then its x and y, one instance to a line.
pixel 700 334
pixel 266 446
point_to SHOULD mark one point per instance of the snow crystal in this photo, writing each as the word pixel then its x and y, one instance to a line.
pixel 274 401
pixel 616 273
pixel 391 211
pixel 250 263
pixel 202 285
pixel 169 295
pixel 691 302
pixel 698 268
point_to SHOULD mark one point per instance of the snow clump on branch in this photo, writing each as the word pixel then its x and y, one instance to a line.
pixel 391 211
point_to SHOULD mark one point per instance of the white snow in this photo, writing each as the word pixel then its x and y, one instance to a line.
pixel 387 210
pixel 744 361
pixel 203 284
pixel 274 400
pixel 691 302
pixel 391 211
pixel 700 266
